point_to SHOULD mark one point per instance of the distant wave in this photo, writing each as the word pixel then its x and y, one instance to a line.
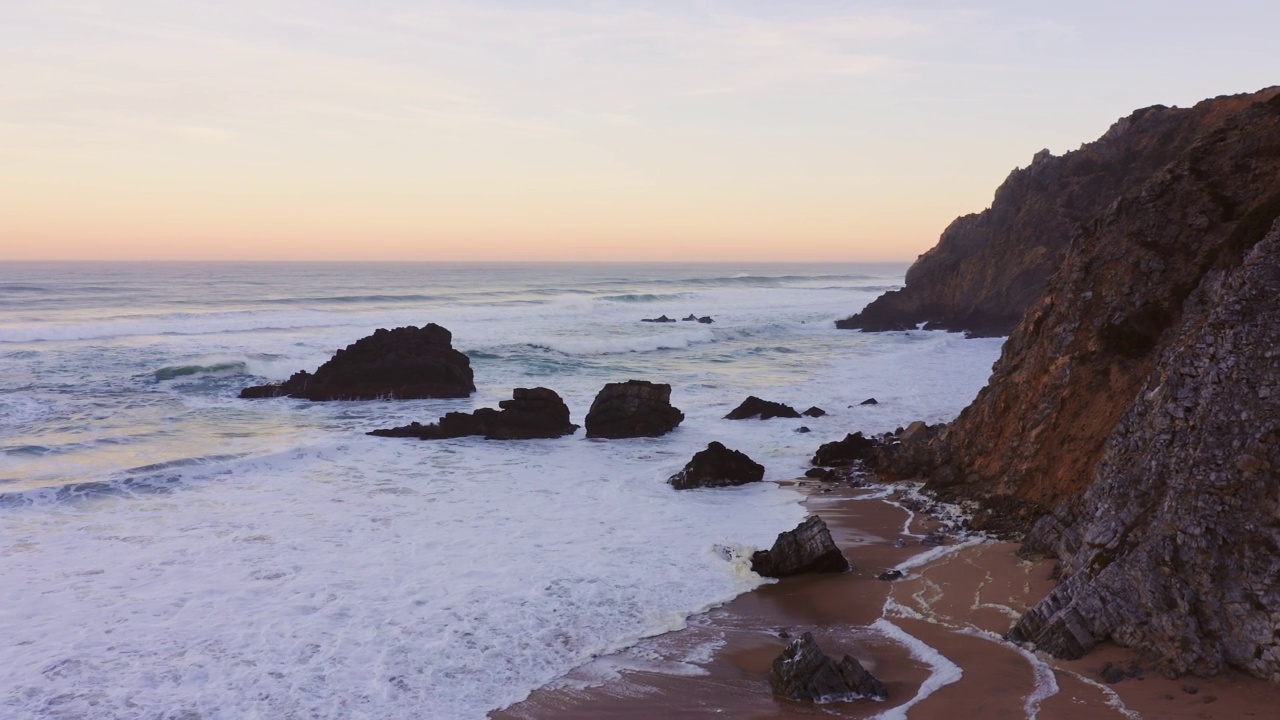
pixel 645 297
pixel 226 368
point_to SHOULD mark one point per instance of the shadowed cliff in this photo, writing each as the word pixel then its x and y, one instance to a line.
pixel 990 267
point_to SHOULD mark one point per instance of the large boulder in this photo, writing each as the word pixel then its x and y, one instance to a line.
pixel 844 452
pixel 804 672
pixel 754 407
pixel 530 413
pixel 808 548
pixel 635 408
pixel 717 466
pixel 403 364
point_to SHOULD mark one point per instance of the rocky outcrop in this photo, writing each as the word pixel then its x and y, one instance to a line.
pixel 1134 403
pixel 530 413
pixel 717 466
pixel 814 412
pixel 803 672
pixel 989 268
pixel 754 407
pixel 808 548
pixel 839 453
pixel 635 408
pixel 406 363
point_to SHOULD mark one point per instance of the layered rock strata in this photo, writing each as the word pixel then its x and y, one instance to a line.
pixel 403 364
pixel 531 413
pixel 1134 404
pixel 808 548
pixel 635 408
pixel 803 672
pixel 989 268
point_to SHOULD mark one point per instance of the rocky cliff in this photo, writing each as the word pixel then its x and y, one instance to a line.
pixel 1134 404
pixel 990 267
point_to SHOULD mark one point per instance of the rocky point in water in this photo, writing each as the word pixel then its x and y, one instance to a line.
pixel 1134 410
pixel 754 407
pixel 635 408
pixel 988 268
pixel 717 466
pixel 803 672
pixel 808 548
pixel 839 453
pixel 530 413
pixel 406 363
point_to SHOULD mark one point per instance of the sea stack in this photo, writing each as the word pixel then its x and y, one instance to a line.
pixel 531 413
pixel 635 408
pixel 406 363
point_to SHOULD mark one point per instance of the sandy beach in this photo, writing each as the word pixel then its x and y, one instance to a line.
pixel 933 638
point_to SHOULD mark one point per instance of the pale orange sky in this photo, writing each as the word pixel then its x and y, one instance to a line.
pixel 562 130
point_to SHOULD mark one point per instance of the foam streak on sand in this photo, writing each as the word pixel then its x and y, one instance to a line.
pixel 943 672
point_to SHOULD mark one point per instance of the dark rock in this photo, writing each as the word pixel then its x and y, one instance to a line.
pixel 870 401
pixel 691 318
pixel 803 672
pixel 404 364
pixel 899 543
pixel 823 474
pixel 989 268
pixel 814 412
pixel 844 452
pixel 914 432
pixel 1112 673
pixel 803 429
pixel 717 466
pixel 891 575
pixel 660 319
pixel 635 408
pixel 706 320
pixel 808 548
pixel 530 413
pixel 933 540
pixel 754 407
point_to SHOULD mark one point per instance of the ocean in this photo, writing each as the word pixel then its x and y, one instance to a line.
pixel 170 551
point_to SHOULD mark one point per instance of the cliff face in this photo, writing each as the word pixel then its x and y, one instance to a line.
pixel 1137 402
pixel 989 268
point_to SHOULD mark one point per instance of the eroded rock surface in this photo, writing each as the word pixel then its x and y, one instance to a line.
pixel 839 453
pixel 635 408
pixel 717 466
pixel 803 672
pixel 530 413
pixel 808 548
pixel 406 363
pixel 989 268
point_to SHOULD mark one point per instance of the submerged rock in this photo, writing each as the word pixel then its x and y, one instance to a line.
pixel 717 466
pixel 660 319
pixel 403 364
pixel 844 452
pixel 706 320
pixel 530 413
pixel 870 401
pixel 754 407
pixel 814 412
pixel 808 548
pixel 803 672
pixel 635 408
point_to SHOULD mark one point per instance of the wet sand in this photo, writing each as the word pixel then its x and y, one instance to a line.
pixel 951 610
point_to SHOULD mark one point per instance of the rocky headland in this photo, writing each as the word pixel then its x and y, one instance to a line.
pixel 1131 423
pixel 989 268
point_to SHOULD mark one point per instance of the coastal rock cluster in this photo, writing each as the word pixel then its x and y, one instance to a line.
pixel 804 672
pixel 1133 410
pixel 530 413
pixel 989 268
pixel 406 363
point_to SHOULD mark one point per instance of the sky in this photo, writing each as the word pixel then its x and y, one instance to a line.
pixel 703 130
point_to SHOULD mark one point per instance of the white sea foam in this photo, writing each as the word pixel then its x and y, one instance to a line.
pixel 198 553
pixel 943 672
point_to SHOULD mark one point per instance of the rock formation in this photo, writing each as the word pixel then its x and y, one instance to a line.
pixel 989 268
pixel 844 452
pixel 530 413
pixel 717 466
pixel 804 672
pixel 403 364
pixel 814 412
pixel 808 548
pixel 635 408
pixel 1134 404
pixel 754 407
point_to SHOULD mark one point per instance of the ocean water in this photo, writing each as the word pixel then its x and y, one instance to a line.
pixel 170 551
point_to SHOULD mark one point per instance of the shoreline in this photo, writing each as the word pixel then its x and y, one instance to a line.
pixel 933 638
